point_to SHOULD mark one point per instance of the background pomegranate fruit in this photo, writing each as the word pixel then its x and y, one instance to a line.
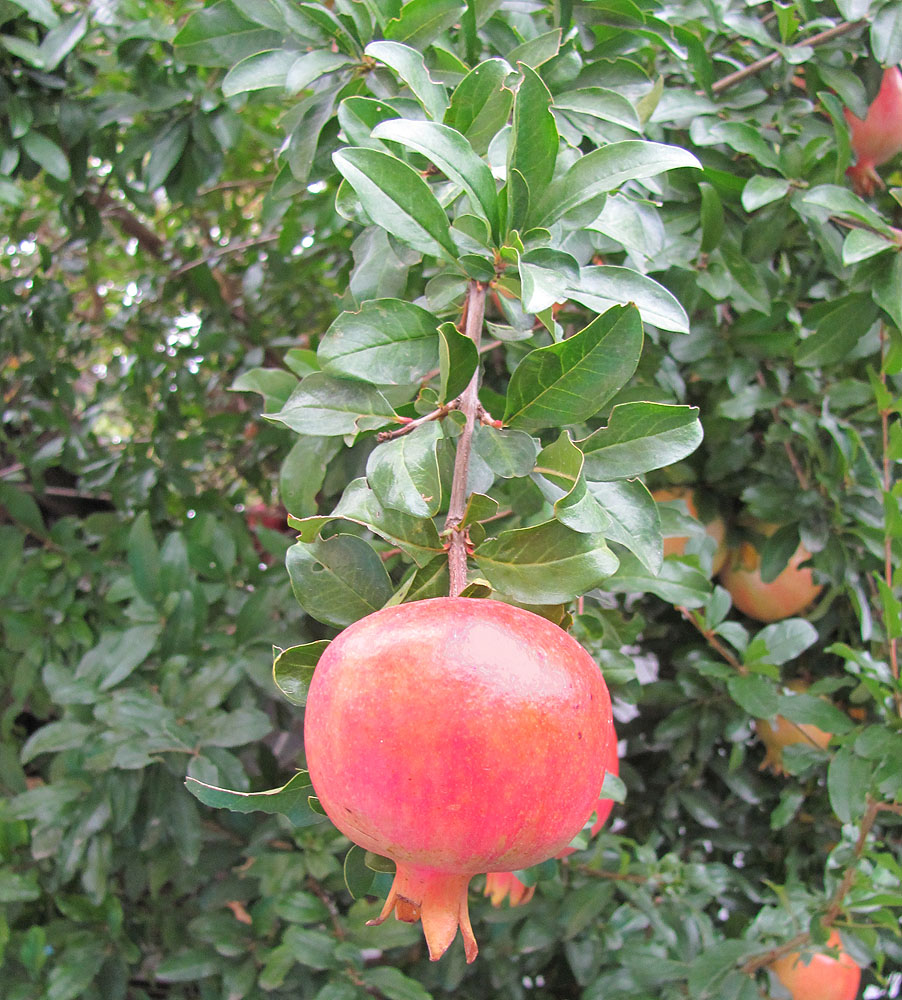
pixel 505 885
pixel 822 978
pixel 456 736
pixel 879 137
pixel 715 528
pixel 780 732
pixel 789 593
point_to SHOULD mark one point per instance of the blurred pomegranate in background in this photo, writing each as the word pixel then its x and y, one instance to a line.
pixel 879 137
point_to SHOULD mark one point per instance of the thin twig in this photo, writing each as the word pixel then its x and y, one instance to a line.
pixel 412 425
pixel 469 405
pixel 837 31
pixel 694 619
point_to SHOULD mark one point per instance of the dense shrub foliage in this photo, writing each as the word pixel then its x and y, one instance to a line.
pixel 242 239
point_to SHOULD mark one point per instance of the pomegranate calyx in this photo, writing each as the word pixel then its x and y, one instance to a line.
pixel 437 898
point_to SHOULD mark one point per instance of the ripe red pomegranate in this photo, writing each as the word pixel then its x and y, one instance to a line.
pixel 505 885
pixel 456 736
pixel 879 137
pixel 823 978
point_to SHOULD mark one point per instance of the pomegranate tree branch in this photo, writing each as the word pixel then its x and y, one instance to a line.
pixel 695 619
pixel 837 31
pixel 474 311
pixel 411 425
pixel 834 907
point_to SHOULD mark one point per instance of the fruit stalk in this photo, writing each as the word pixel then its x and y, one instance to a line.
pixel 474 312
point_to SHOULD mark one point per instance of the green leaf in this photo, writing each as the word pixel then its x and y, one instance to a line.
pixel 546 563
pixel 47 154
pixel 21 507
pixel 712 217
pixel 291 800
pixel 861 244
pixel 453 155
pixel 755 694
pixel 458 360
pixel 259 71
pixel 534 137
pixel 220 36
pixel 329 407
pixel 481 104
pixel 640 437
pixel 61 40
pixel 760 191
pixel 838 332
pixel 404 472
pixel 303 472
pixel 166 152
pixel 536 51
pixel 275 385
pixel 393 984
pixel 358 877
pixel 420 22
pixel 509 454
pixel 848 780
pixel 338 580
pixel 606 169
pixel 117 654
pixel 410 65
pixel 676 582
pixel 309 67
pixel 545 276
pixel 188 966
pixel 842 202
pixel 782 641
pixel 558 472
pixel 808 709
pixel 568 382
pixel 397 198
pixel 886 35
pixel 64 734
pixel 599 102
pixel 599 287
pixel 292 669
pixel 386 341
pixel 634 519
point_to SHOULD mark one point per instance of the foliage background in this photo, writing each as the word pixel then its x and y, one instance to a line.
pixel 172 251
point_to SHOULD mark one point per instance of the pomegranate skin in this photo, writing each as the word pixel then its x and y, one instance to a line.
pixel 455 736
pixel 823 978
pixel 879 137
pixel 505 885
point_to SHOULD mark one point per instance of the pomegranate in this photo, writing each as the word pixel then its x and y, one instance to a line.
pixel 779 732
pixel 822 978
pixel 791 592
pixel 505 885
pixel 455 736
pixel 879 137
pixel 715 528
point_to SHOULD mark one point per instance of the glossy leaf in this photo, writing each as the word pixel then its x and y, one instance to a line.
pixel 508 453
pixel 633 517
pixel 325 407
pixel 481 103
pixel 568 382
pixel 404 472
pixel 606 169
pixel 291 800
pixel 601 286
pixel 676 582
pixel 599 102
pixel 292 669
pixel 534 137
pixel 386 341
pixel 640 437
pixel 458 360
pixel 221 36
pixel 453 155
pixel 559 472
pixel 258 71
pixel 546 563
pixel 409 64
pixel 420 22
pixel 397 198
pixel 338 580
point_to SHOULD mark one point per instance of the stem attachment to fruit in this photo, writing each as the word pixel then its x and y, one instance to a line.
pixel 469 406
pixel 439 899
